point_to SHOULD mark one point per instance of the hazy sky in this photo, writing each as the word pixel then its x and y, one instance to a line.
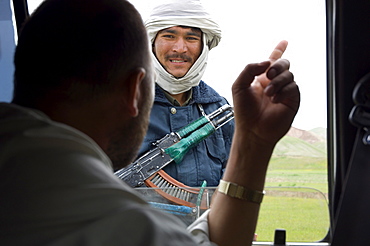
pixel 251 30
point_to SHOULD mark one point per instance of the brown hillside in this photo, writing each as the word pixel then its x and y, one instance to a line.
pixel 305 135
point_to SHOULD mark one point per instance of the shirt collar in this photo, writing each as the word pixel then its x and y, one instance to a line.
pixel 174 102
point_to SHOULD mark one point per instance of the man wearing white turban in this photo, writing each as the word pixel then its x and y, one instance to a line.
pixel 182 33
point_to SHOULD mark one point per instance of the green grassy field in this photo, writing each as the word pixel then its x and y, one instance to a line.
pixel 298 171
pixel 304 219
pixel 302 212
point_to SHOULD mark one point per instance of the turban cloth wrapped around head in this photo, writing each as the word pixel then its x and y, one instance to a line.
pixel 183 13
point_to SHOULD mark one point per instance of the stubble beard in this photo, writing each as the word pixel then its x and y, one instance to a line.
pixel 126 143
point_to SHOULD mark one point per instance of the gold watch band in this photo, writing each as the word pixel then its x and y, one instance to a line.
pixel 240 192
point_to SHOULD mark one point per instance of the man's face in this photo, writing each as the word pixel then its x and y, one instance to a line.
pixel 177 48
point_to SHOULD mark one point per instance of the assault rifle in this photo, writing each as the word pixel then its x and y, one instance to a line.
pixel 174 146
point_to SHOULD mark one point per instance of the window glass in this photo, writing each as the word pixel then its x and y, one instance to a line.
pixel 296 184
pixel 7 46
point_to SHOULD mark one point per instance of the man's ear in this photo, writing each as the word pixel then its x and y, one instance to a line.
pixel 133 93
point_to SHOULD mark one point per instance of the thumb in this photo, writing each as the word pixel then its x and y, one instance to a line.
pixel 246 77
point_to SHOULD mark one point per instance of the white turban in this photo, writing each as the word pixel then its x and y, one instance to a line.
pixel 183 13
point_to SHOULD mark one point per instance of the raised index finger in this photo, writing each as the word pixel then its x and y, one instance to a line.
pixel 279 50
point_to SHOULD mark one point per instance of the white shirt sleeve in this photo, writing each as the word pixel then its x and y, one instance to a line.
pixel 199 230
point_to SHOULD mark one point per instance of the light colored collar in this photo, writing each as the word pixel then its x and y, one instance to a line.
pixel 174 102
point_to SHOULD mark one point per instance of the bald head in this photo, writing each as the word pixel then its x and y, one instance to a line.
pixel 66 43
pixel 86 63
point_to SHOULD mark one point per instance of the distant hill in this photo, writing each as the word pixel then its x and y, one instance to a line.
pixel 320 131
pixel 299 142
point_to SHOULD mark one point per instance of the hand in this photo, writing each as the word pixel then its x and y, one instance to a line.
pixel 266 108
pixel 276 54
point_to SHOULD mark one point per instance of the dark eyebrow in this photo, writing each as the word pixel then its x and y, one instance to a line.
pixel 168 31
pixel 194 32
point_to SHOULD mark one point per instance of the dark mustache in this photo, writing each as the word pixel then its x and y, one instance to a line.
pixel 181 56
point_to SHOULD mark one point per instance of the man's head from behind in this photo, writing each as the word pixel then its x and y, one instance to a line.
pixel 67 42
pixel 74 56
